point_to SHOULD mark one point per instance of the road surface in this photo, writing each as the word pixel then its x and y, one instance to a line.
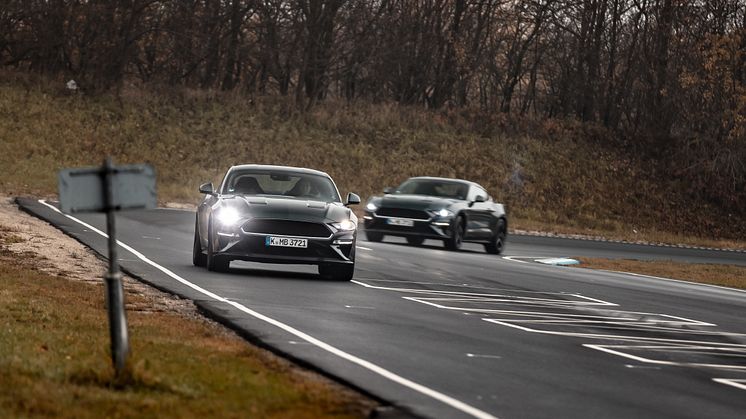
pixel 466 334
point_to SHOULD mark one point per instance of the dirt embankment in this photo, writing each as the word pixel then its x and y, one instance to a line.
pixel 56 254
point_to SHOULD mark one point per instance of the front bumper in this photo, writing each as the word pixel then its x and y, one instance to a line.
pixel 432 228
pixel 338 248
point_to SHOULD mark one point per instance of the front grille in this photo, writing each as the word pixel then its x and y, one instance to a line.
pixel 403 213
pixel 286 228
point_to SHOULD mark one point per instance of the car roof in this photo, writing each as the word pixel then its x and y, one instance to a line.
pixel 448 179
pixel 280 168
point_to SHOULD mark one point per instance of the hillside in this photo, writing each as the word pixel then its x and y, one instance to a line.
pixel 552 174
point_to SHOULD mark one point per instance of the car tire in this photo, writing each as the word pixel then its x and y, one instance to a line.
pixel 497 244
pixel 457 234
pixel 337 273
pixel 415 241
pixel 373 236
pixel 198 257
pixel 215 263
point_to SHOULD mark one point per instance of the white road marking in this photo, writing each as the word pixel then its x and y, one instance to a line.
pixel 515 258
pixel 361 307
pixel 151 237
pixel 608 349
pixel 364 248
pixel 450 401
pixel 641 367
pixel 571 315
pixel 470 355
pixel 737 383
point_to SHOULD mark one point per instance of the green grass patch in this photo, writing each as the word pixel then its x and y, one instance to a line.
pixel 54 362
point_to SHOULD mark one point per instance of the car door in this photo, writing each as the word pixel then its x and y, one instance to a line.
pixel 479 220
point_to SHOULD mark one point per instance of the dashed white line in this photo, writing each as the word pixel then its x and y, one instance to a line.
pixel 447 400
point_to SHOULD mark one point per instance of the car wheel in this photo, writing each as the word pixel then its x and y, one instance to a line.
pixel 198 257
pixel 214 262
pixel 457 234
pixel 337 273
pixel 415 241
pixel 373 236
pixel 497 244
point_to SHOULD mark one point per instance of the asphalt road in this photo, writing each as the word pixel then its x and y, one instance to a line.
pixel 465 334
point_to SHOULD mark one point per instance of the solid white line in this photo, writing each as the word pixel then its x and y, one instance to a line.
pixel 739 384
pixel 507 323
pixel 364 248
pixel 454 403
pixel 659 362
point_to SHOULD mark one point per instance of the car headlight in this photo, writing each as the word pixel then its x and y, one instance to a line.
pixel 346 225
pixel 228 217
pixel 444 213
pixel 371 207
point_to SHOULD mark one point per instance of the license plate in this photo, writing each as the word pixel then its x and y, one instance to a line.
pixel 404 222
pixel 285 242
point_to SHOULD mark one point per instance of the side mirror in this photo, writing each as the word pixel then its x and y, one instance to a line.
pixel 480 198
pixel 352 199
pixel 387 190
pixel 206 188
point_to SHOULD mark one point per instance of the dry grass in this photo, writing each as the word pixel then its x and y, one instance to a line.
pixel 724 275
pixel 54 361
pixel 549 173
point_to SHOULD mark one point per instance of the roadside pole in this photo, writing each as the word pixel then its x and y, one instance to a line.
pixel 120 345
pixel 109 189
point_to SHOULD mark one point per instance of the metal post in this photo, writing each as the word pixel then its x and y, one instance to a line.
pixel 113 278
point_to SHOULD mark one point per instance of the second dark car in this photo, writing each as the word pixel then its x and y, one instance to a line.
pixel 452 210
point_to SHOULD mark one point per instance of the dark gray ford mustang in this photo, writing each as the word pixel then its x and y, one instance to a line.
pixel 276 214
pixel 451 210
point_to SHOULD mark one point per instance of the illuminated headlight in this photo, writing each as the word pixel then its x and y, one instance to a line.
pixel 371 207
pixel 228 217
pixel 444 213
pixel 346 225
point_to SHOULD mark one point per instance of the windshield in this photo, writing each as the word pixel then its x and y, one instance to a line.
pixel 433 187
pixel 281 183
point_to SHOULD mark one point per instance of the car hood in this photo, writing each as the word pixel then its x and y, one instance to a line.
pixel 419 202
pixel 289 209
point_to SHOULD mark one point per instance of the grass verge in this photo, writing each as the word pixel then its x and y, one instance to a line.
pixel 724 275
pixel 54 361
